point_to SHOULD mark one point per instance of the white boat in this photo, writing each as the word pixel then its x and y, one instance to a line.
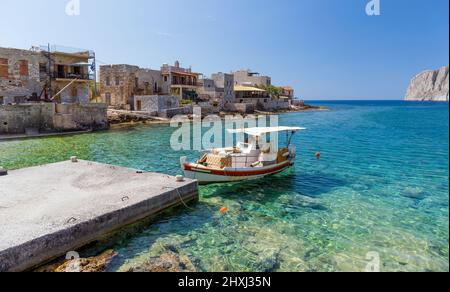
pixel 247 161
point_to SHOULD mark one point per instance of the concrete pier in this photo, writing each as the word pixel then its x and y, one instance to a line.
pixel 49 210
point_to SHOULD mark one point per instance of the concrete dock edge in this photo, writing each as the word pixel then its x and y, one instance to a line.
pixel 75 234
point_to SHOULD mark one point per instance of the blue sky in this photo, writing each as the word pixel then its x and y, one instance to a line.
pixel 326 49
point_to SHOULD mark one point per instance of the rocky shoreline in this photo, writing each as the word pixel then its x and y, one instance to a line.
pixel 119 118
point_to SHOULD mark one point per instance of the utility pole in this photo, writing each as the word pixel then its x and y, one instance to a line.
pixel 95 77
pixel 49 71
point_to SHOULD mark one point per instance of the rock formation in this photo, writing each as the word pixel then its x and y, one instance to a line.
pixel 429 86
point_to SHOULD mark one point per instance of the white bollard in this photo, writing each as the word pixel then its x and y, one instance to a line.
pixel 180 178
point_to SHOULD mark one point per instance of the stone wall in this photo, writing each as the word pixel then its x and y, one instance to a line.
pixel 49 117
pixel 243 108
pixel 274 105
pixel 15 119
pixel 170 113
pixel 73 117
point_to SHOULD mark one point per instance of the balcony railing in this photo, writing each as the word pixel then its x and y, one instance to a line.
pixel 80 76
pixel 195 84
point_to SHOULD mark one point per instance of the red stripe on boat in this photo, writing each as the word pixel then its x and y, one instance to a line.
pixel 190 167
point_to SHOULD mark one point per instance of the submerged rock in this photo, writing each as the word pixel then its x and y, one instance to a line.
pixel 167 262
pixel 269 262
pixel 414 193
pixel 84 265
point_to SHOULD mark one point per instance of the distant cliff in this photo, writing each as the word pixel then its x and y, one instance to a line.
pixel 429 86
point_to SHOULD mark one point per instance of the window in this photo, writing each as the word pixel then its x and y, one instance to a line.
pixel 117 81
pixel 108 81
pixel 61 71
pixel 165 79
pixel 74 91
pixel 19 99
pixel 108 98
pixel 77 70
pixel 136 82
pixel 4 68
pixel 1 100
pixel 42 68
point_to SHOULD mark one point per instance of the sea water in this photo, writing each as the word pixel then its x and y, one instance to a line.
pixel 380 191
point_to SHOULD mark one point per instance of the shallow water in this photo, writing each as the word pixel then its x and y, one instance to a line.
pixel 380 186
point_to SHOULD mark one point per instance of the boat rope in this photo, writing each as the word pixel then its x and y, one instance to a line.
pixel 181 198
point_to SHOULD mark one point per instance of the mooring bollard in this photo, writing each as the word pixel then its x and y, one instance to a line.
pixel 3 171
pixel 180 178
pixel 74 159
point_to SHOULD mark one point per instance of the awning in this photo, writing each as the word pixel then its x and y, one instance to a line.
pixel 247 89
pixel 258 132
pixel 82 64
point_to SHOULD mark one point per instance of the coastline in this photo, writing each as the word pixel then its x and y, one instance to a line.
pixel 119 119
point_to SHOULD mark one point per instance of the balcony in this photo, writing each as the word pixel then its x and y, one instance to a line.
pixel 189 84
pixel 72 76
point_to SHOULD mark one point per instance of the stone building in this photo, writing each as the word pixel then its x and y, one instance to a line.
pixel 155 104
pixel 181 82
pixel 218 90
pixel 249 78
pixel 259 98
pixel 287 92
pixel 120 83
pixel 225 82
pixel 72 71
pixel 20 75
pixel 249 94
pixel 39 74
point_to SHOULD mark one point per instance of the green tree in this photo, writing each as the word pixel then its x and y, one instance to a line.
pixel 273 91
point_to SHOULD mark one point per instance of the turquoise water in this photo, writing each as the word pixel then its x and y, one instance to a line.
pixel 380 186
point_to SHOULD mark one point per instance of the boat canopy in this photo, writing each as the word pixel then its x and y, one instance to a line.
pixel 258 132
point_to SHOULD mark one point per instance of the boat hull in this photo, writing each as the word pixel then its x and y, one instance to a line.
pixel 207 176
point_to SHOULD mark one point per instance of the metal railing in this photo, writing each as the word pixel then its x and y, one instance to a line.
pixel 65 75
